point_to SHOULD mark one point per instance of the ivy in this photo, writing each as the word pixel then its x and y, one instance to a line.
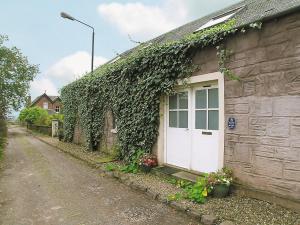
pixel 131 88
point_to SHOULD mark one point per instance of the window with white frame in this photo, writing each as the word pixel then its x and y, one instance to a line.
pixel 45 105
pixel 179 110
pixel 57 109
pixel 207 109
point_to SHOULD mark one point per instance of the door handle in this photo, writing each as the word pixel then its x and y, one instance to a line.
pixel 206 133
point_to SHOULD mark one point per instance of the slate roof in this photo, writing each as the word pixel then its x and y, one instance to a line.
pixel 251 11
pixel 50 97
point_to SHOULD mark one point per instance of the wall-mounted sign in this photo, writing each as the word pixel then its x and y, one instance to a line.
pixel 231 123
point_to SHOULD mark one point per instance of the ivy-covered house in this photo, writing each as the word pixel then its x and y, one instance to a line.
pixel 223 90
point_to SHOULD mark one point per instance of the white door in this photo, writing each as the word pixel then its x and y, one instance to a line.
pixel 192 139
pixel 178 132
pixel 205 131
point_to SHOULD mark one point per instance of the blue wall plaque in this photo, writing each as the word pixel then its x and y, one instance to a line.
pixel 231 123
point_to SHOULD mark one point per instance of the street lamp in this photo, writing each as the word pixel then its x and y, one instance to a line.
pixel 67 16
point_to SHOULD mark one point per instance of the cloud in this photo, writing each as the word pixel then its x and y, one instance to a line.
pixel 73 66
pixel 144 21
pixel 40 85
pixel 147 21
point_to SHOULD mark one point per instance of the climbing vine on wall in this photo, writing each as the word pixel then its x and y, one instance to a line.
pixel 131 87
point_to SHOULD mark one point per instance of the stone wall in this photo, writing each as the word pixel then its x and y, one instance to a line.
pixel 109 138
pixel 264 148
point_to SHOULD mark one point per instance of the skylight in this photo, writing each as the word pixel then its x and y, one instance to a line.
pixel 219 19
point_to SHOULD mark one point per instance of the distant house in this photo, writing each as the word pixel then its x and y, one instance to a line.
pixel 51 103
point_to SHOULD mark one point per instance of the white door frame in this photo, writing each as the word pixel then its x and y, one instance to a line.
pixel 219 77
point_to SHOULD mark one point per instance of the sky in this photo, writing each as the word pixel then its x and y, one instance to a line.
pixel 62 48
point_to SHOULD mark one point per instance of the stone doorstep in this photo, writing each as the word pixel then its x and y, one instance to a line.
pixel 176 173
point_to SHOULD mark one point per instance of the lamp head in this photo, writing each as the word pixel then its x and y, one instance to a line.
pixel 66 16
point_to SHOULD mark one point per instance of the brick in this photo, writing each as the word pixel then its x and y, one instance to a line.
pixel 292 175
pixel 233 89
pixel 261 106
pixel 268 167
pixel 290 154
pixel 295 130
pixel 258 125
pixel 248 139
pixel 276 51
pixel 286 106
pixel 243 152
pixel 273 141
pixel 292 166
pixel 278 127
pixel 241 108
pixel 249 88
pixel 295 121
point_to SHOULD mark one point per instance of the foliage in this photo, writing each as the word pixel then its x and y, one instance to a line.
pixel 3 134
pixel 111 167
pixel 223 176
pixel 33 115
pixel 133 163
pixel 38 116
pixel 15 76
pixel 199 191
pixel 131 88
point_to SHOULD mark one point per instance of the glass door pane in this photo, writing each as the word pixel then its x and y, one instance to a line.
pixel 178 110
pixel 213 119
pixel 213 98
pixel 201 99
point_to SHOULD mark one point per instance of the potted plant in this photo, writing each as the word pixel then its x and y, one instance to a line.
pixel 147 162
pixel 219 182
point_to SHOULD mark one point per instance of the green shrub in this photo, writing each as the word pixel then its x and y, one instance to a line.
pixel 111 167
pixel 38 116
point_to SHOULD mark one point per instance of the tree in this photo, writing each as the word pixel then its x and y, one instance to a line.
pixel 15 76
pixel 34 115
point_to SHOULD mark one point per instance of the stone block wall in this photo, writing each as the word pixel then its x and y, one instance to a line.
pixel 264 148
pixel 108 143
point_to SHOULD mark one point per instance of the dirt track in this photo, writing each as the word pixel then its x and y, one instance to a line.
pixel 41 186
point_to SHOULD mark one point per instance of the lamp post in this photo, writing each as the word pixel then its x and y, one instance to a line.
pixel 67 16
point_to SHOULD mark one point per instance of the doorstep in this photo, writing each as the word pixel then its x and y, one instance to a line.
pixel 176 173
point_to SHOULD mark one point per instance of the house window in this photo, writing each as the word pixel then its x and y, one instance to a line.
pixel 207 109
pixel 45 105
pixel 57 109
pixel 178 110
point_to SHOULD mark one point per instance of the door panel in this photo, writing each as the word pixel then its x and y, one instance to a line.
pixel 178 132
pixel 205 134
pixel 192 139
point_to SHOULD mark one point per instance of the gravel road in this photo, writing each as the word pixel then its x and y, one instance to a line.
pixel 41 186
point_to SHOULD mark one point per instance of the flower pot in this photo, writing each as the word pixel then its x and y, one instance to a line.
pixel 145 169
pixel 220 190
